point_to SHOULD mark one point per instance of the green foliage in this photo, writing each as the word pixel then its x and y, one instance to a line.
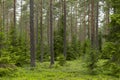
pixel 58 45
pixel 111 48
pixel 90 56
pixel 114 34
pixel 7 69
pixel 108 50
pixel 2 42
pixel 111 53
pixel 62 60
pixel 4 54
pixel 4 71
pixel 75 71
pixel 74 49
pixel 18 49
pixel 5 60
pixel 115 5
pixel 91 60
pixel 73 52
pixel 58 38
pixel 112 68
pixel 13 49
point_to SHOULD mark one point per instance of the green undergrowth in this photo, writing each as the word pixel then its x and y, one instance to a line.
pixel 72 70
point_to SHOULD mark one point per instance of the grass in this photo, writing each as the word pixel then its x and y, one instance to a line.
pixel 72 70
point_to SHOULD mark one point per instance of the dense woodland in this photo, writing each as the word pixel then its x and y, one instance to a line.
pixel 59 39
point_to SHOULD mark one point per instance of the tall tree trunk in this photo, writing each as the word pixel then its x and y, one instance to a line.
pixel 32 43
pixel 41 32
pixel 65 48
pixel 3 13
pixel 51 35
pixel 84 20
pixel 48 27
pixel 97 15
pixel 37 29
pixel 107 16
pixel 89 14
pixel 92 25
pixel 76 22
pixel 71 23
pixel 21 21
pixel 14 13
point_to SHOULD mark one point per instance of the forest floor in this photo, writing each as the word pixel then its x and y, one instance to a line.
pixel 72 70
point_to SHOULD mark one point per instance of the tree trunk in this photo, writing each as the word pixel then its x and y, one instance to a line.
pixel 21 21
pixel 89 15
pixel 3 14
pixel 107 17
pixel 41 33
pixel 65 48
pixel 97 15
pixel 14 13
pixel 51 35
pixel 32 43
pixel 92 25
pixel 84 37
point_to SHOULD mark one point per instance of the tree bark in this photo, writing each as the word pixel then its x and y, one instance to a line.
pixel 14 13
pixel 92 25
pixel 41 33
pixel 32 43
pixel 65 48
pixel 97 15
pixel 51 35
pixel 84 21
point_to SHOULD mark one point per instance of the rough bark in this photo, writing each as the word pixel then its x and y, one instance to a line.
pixel 14 13
pixel 32 43
pixel 51 35
pixel 97 15
pixel 41 33
pixel 92 25
pixel 65 48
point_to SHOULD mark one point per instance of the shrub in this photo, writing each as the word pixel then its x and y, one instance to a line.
pixel 7 69
pixel 62 60
pixel 4 60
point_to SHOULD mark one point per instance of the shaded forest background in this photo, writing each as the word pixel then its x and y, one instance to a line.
pixel 33 31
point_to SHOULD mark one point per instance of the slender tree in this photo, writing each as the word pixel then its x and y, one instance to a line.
pixel 32 43
pixel 51 34
pixel 89 15
pixel 14 13
pixel 107 16
pixel 84 20
pixel 97 15
pixel 21 20
pixel 41 32
pixel 65 48
pixel 92 25
pixel 3 13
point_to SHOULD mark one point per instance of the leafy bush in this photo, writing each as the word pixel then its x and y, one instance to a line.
pixel 111 51
pixel 4 71
pixel 91 60
pixel 90 57
pixel 111 68
pixel 5 60
pixel 62 60
pixel 108 50
pixel 7 69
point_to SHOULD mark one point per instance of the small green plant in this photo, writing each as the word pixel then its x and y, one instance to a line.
pixel 4 71
pixel 61 60
pixel 7 70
